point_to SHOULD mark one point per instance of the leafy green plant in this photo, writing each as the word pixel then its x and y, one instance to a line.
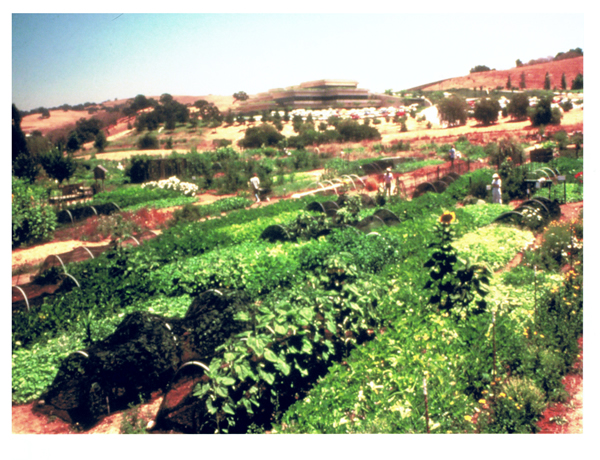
pixel 132 421
pixel 455 284
pixel 32 221
pixel 494 245
pixel 516 409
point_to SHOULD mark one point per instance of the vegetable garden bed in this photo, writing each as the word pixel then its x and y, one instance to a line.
pixel 367 339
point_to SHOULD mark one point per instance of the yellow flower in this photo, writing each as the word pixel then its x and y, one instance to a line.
pixel 481 401
pixel 468 418
pixel 447 218
pixel 502 395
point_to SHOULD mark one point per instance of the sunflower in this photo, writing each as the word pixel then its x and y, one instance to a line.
pixel 447 218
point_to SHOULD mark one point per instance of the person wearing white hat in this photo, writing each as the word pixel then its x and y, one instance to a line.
pixel 496 189
pixel 387 177
pixel 255 184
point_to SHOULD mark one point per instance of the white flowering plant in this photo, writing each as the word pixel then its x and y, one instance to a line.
pixel 173 183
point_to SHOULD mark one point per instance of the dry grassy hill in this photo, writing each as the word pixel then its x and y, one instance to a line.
pixel 534 76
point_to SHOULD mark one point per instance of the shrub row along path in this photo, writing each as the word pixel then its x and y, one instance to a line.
pixel 559 418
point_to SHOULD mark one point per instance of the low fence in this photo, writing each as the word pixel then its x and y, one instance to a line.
pixel 408 182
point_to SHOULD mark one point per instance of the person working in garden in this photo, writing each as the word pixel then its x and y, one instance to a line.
pixel 387 178
pixel 452 154
pixel 255 184
pixel 496 189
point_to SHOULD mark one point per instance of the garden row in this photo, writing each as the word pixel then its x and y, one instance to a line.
pixel 359 284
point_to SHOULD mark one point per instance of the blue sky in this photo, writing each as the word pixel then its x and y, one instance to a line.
pixel 77 58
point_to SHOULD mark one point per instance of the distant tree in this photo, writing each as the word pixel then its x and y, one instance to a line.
pixel 297 122
pixel 519 63
pixel 518 106
pixel 229 118
pixel 265 116
pixel 57 165
pixel 486 111
pixel 569 54
pixel 38 144
pixel 207 110
pixel 140 102
pixel 147 121
pixel 389 92
pixel 257 136
pixel 170 123
pixel 547 82
pixel 352 131
pixel 240 96
pixel 563 81
pixel 522 83
pixel 577 83
pixel 44 112
pixel 453 110
pixel 73 143
pixel 508 83
pixel 543 113
pixel 100 143
pixel 479 68
pixel 88 129
pixel 166 99
pixel 147 142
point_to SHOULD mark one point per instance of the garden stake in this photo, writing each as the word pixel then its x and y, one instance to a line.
pixel 426 408
pixel 494 341
pixel 534 294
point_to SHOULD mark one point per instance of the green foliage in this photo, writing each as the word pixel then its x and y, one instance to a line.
pixel 486 111
pixel 494 245
pixel 32 220
pixel 337 339
pixel 562 243
pixel 132 422
pixel 543 113
pixel 577 82
pixel 518 106
pixel 57 165
pixel 147 142
pixel 454 284
pixel 453 110
pixel 208 111
pixel 508 150
pixel 240 96
pixel 262 135
pixel 547 82
pixel 516 409
pixel 352 131
pixel 191 213
pixel 87 129
pixel 479 68
pixel 100 142
pixel 24 163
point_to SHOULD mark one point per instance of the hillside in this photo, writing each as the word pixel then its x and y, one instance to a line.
pixel 534 76
pixel 63 119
